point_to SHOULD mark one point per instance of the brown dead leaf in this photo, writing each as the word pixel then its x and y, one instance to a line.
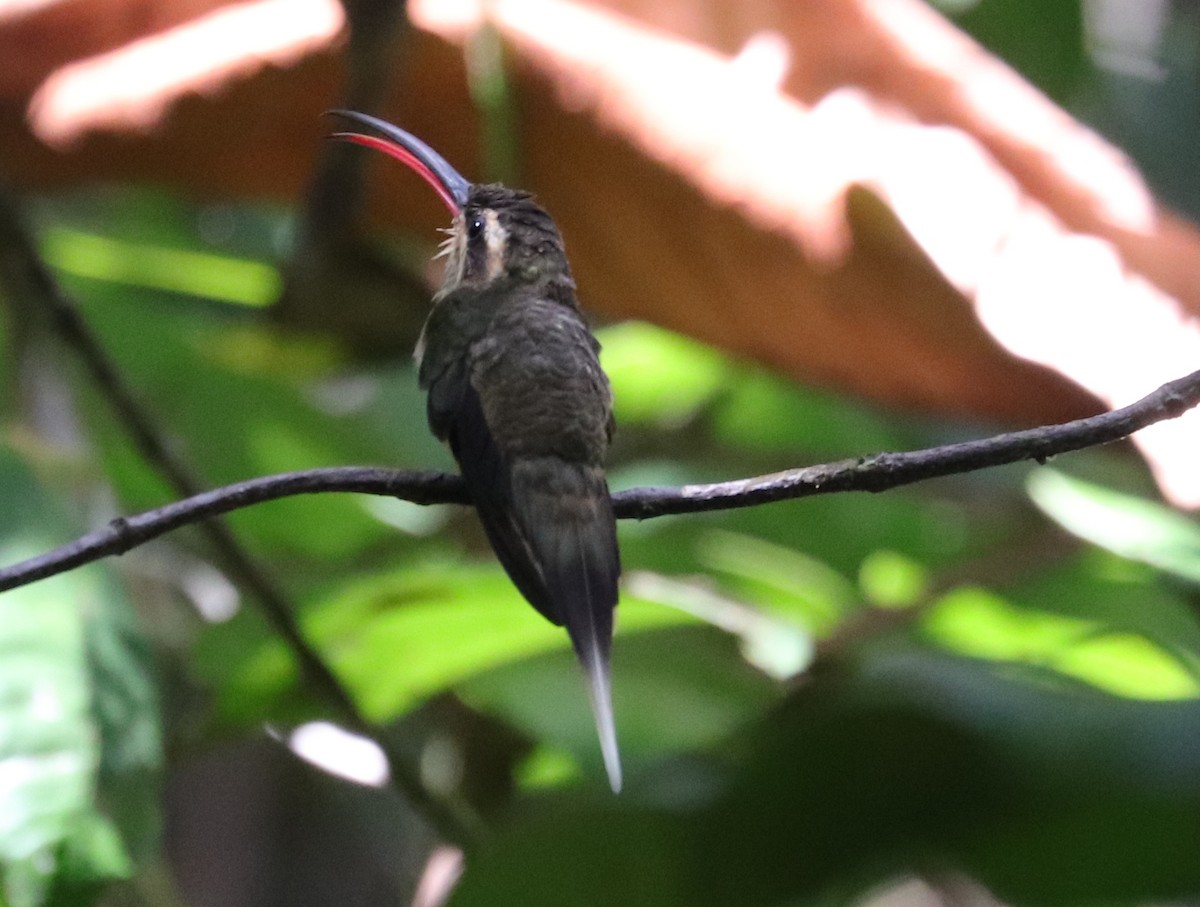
pixel 850 191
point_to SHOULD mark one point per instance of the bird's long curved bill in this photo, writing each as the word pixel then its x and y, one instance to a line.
pixel 449 184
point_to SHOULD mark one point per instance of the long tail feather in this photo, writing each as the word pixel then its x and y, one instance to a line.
pixel 567 514
pixel 592 645
pixel 551 524
pixel 600 694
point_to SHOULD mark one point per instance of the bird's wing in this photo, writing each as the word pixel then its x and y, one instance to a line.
pixel 488 475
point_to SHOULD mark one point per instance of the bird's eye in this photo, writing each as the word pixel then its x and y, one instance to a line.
pixel 475 227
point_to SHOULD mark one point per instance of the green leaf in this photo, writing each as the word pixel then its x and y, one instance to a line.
pixel 236 397
pixel 1043 39
pixel 203 274
pixel 78 718
pixel 1128 665
pixel 1132 527
pixel 983 624
pixel 675 690
pixel 251 671
pixel 891 580
pixel 659 376
pixel 763 412
pixel 777 646
pixel 782 579
pixel 1121 596
pixel 397 637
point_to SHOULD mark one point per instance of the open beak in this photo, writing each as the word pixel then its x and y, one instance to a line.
pixel 449 184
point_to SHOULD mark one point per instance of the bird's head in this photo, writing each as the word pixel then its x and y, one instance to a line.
pixel 497 233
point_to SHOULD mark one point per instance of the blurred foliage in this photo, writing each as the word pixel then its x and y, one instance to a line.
pixel 994 676
pixel 1052 55
pixel 972 676
pixel 80 745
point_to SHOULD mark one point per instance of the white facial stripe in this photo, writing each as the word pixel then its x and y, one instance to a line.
pixel 454 247
pixel 496 237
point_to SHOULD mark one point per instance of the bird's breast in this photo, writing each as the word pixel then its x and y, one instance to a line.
pixel 540 384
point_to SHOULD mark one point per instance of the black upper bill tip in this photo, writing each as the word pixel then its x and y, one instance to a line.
pixel 451 185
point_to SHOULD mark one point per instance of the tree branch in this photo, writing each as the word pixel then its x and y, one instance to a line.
pixel 885 471
pixel 876 473
pixel 29 278
pixel 26 277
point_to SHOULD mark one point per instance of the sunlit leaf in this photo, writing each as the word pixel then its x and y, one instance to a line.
pixel 777 647
pixel 179 361
pixel 784 580
pixel 1132 527
pixel 1128 665
pixel 547 766
pixel 1124 597
pixel 396 638
pixel 977 622
pixel 891 580
pixel 657 375
pixel 982 624
pixel 209 276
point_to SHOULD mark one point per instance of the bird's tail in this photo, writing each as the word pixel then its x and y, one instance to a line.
pixel 573 533
pixel 590 627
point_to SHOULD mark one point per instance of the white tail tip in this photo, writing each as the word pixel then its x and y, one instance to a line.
pixel 600 694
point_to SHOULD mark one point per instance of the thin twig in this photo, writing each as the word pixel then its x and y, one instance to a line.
pixel 27 275
pixel 885 471
pixel 124 533
pixel 876 473
pixel 35 279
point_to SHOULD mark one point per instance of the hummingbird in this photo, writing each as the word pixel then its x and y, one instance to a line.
pixel 515 388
